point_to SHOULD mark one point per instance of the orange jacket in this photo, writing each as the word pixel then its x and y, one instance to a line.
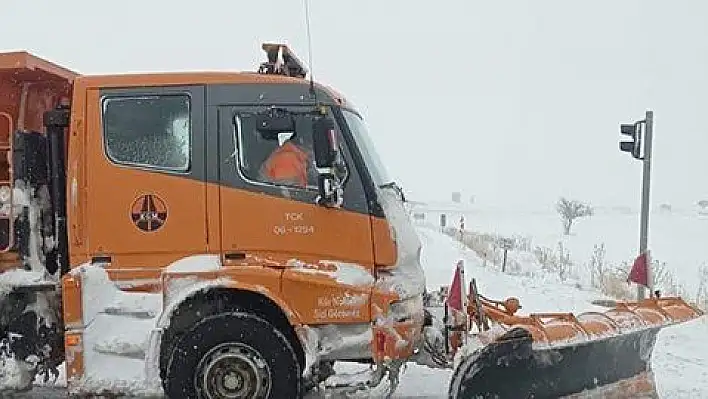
pixel 287 164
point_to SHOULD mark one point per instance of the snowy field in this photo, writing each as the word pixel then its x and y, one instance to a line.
pixel 680 358
pixel 676 238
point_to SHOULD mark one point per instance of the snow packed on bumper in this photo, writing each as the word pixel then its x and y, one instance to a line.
pixel 406 279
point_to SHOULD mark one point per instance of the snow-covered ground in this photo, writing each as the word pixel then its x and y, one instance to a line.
pixel 680 359
pixel 676 237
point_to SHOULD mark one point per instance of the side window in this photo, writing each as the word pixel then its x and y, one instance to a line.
pixel 282 158
pixel 152 131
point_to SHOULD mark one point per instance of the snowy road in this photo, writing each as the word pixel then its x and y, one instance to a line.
pixel 42 392
pixel 680 363
pixel 680 359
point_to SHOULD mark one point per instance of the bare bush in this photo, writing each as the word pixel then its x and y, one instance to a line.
pixel 613 279
pixel 557 262
pixel 484 245
pixel 545 257
pixel 519 243
pixel 597 265
pixel 610 279
pixel 613 283
pixel 662 278
pixel 570 210
pixel 490 247
pixel 565 265
pixel 702 293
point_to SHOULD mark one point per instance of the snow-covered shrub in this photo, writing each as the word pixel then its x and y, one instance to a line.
pixel 612 279
pixel 484 245
pixel 702 293
pixel 515 242
pixel 545 257
pixel 570 210
pixel 597 265
pixel 613 283
pixel 663 278
pixel 490 247
pixel 565 265
pixel 557 261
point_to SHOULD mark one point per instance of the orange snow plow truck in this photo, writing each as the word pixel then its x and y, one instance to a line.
pixel 233 235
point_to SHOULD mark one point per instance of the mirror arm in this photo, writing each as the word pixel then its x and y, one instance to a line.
pixel 331 193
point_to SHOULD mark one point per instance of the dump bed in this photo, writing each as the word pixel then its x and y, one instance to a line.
pixel 29 86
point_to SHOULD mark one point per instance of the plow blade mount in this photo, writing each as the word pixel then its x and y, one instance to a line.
pixel 608 354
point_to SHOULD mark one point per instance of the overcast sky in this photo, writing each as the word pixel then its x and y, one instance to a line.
pixel 510 101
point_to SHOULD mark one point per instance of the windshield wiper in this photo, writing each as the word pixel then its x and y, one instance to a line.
pixel 395 186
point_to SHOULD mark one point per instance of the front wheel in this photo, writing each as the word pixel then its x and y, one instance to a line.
pixel 233 355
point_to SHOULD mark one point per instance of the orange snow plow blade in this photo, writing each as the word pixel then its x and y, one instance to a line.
pixel 560 354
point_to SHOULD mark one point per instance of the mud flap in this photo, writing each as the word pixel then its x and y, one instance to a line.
pixel 511 368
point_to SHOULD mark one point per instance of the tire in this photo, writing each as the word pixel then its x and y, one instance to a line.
pixel 239 337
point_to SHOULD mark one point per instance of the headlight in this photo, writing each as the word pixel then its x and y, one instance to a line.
pixel 406 309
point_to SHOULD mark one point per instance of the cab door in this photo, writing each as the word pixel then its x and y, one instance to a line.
pixel 284 223
pixel 146 175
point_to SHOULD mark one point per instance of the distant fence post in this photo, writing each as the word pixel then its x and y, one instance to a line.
pixel 504 261
pixel 506 245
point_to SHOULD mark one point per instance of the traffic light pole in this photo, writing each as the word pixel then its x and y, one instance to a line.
pixel 641 139
pixel 644 223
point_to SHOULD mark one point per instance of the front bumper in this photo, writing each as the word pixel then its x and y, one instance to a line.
pixel 397 334
pixel 395 341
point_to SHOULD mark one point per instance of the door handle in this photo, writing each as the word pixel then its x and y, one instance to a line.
pixel 101 259
pixel 234 256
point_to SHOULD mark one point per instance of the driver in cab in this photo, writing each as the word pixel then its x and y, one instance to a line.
pixel 292 163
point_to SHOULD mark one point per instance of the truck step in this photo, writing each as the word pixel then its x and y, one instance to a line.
pixel 137 314
pixel 119 336
pixel 123 349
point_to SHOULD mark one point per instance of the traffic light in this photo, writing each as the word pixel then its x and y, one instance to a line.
pixel 634 147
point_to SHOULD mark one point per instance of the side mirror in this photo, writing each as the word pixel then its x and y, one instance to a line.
pixel 324 141
pixel 326 151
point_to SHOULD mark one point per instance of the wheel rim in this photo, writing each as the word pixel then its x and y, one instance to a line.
pixel 233 370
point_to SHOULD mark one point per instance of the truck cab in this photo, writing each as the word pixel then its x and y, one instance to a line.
pixel 149 211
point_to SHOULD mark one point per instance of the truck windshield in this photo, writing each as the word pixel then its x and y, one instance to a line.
pixel 361 135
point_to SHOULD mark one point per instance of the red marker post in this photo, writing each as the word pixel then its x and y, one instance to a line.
pixel 639 273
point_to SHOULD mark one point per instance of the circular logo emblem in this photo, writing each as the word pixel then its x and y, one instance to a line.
pixel 149 212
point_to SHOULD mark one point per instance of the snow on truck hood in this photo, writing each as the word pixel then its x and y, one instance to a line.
pixel 407 278
pixel 342 272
